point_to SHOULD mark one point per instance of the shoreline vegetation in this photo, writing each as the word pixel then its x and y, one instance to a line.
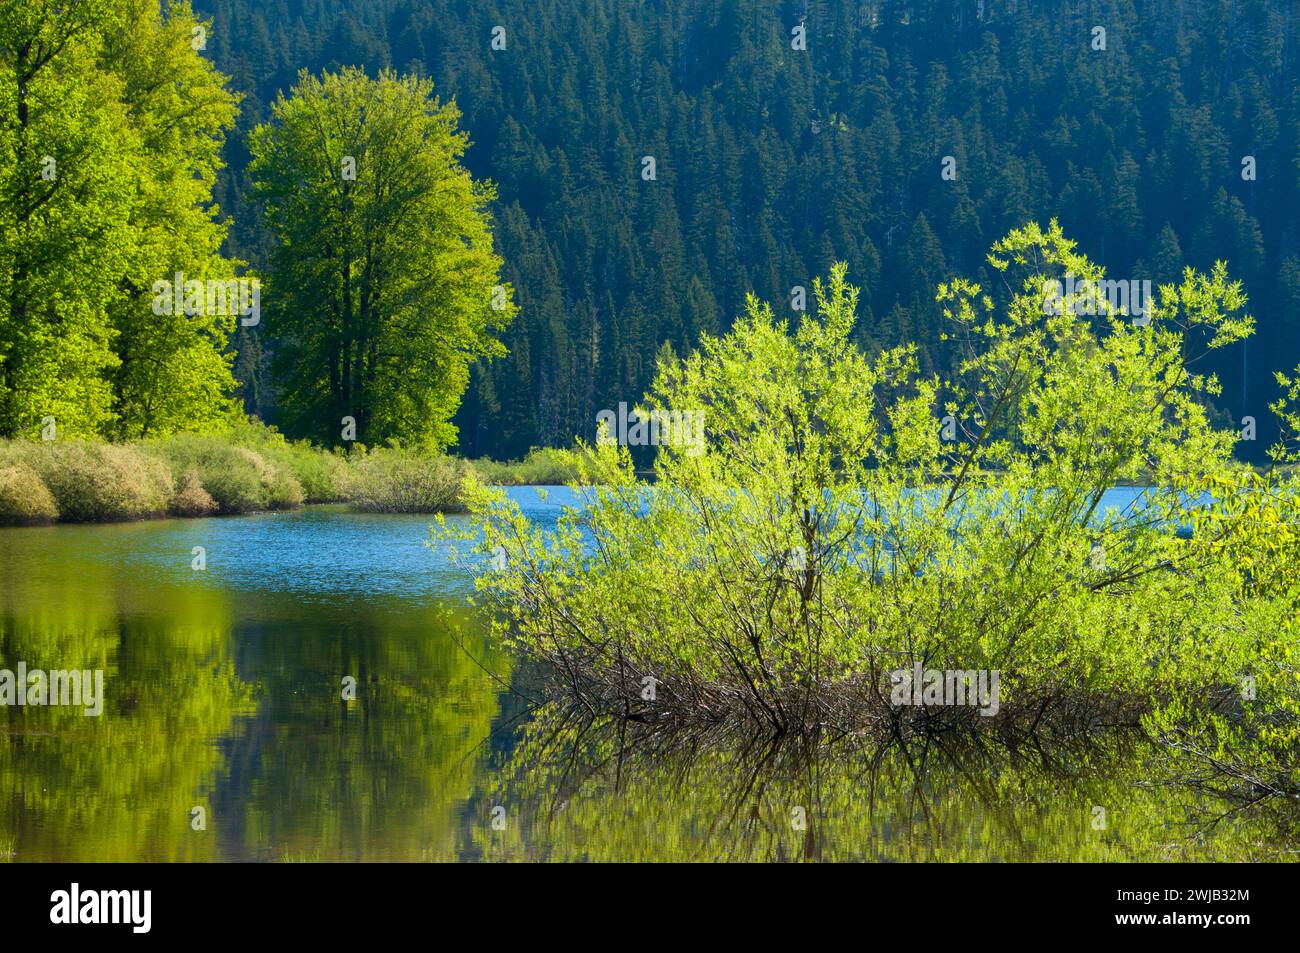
pixel 251 468
pixel 248 468
pixel 788 576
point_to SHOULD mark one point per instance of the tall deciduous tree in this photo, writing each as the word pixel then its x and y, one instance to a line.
pixel 111 123
pixel 384 285
pixel 175 369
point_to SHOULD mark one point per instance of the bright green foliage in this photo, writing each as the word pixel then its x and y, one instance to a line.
pixel 541 466
pixel 245 468
pixel 110 129
pixel 92 481
pixel 1243 738
pixel 383 285
pixel 829 535
pixel 240 480
pixel 175 371
pixel 396 481
pixel 319 472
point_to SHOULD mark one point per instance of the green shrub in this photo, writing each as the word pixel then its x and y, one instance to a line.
pixel 542 466
pixel 240 480
pixel 23 497
pixel 192 499
pixel 92 482
pixel 827 540
pixel 403 481
pixel 282 489
pixel 320 473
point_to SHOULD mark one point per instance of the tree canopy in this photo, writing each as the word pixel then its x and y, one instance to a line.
pixel 111 129
pixel 383 281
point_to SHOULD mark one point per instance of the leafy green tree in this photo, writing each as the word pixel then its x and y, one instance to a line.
pixel 174 371
pixel 63 231
pixel 111 124
pixel 384 285
pixel 778 162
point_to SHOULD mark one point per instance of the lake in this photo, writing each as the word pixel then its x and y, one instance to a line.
pixel 224 733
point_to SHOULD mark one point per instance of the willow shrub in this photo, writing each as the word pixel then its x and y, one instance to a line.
pixel 828 534
pixel 91 481
pixel 24 498
pixel 1243 740
pixel 238 479
pixel 391 480
pixel 319 472
pixel 541 466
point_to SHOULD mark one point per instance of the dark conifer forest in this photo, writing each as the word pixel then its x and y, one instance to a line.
pixel 1178 143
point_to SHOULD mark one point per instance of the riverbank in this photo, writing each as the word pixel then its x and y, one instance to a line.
pixel 248 468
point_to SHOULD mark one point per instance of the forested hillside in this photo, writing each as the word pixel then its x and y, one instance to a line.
pixel 772 161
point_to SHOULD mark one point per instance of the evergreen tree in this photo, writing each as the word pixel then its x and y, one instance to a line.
pixel 773 161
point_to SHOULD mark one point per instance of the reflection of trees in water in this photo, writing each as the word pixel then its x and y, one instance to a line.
pixel 218 701
pixel 602 789
pixel 119 786
pixel 385 776
pixel 232 702
pixel 1239 755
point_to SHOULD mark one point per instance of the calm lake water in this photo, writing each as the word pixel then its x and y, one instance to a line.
pixel 222 692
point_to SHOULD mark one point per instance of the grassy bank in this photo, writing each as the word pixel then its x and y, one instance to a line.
pixel 247 469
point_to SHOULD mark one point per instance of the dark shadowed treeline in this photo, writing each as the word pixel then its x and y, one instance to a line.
pixel 771 162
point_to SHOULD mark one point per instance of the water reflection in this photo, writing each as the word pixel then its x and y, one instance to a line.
pixel 611 790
